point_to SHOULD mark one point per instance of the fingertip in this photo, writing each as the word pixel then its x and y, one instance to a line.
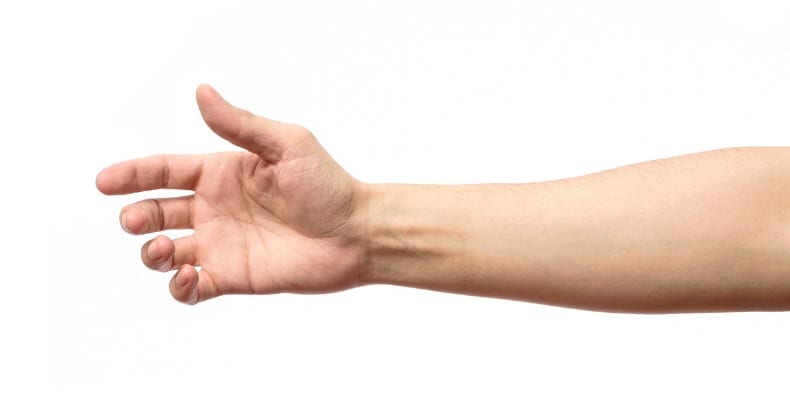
pixel 203 89
pixel 102 183
pixel 113 180
pixel 122 217
pixel 183 285
pixel 206 94
pixel 132 221
pixel 161 248
pixel 207 101
pixel 157 254
pixel 219 115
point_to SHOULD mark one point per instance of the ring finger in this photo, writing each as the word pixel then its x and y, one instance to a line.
pixel 164 254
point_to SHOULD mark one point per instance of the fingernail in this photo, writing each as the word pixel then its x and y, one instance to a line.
pixel 123 224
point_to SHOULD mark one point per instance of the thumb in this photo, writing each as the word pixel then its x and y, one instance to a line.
pixel 261 136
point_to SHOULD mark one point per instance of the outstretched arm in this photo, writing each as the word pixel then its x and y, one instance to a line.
pixel 702 232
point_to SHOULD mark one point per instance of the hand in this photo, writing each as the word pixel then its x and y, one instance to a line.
pixel 282 217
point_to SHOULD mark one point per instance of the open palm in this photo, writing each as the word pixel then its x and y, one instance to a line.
pixel 281 217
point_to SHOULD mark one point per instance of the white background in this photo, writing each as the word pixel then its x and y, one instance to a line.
pixel 418 91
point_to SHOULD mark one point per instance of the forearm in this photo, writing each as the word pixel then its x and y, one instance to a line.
pixel 702 232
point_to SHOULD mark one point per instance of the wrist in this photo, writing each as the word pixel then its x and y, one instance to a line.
pixel 409 230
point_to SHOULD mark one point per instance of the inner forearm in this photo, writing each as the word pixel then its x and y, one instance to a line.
pixel 702 232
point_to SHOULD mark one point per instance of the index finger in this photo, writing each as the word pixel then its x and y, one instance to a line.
pixel 153 172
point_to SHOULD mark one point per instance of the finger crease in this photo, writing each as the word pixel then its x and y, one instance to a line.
pixel 160 214
pixel 165 172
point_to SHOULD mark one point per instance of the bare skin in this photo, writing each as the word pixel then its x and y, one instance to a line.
pixel 281 217
pixel 701 232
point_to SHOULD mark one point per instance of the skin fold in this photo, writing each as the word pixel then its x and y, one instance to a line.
pixel 702 232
